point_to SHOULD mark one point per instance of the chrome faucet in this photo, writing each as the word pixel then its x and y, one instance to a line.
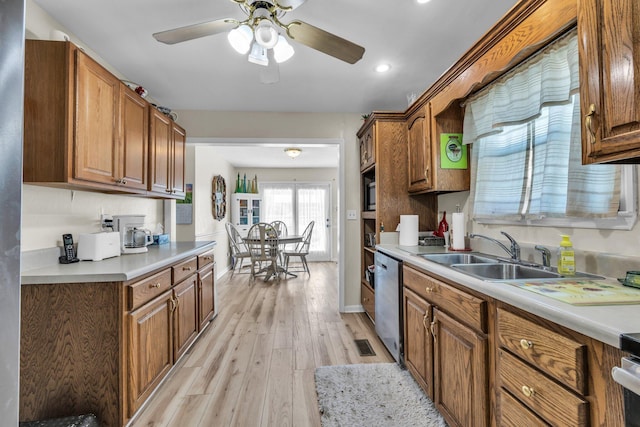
pixel 546 255
pixel 514 251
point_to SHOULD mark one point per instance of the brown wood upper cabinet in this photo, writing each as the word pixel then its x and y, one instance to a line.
pixel 418 135
pixel 609 43
pixel 93 129
pixel 367 148
pixel 423 137
pixel 166 146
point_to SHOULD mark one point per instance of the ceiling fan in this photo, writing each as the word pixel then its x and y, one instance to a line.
pixel 259 34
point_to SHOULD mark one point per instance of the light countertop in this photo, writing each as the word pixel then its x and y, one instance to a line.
pixel 601 322
pixel 116 269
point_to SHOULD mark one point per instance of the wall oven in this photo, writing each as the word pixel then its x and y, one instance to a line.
pixel 628 375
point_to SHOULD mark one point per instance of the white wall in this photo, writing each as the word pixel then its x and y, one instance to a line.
pixel 202 164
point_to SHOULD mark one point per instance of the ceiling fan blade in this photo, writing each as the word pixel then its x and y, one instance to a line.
pixel 196 31
pixel 325 42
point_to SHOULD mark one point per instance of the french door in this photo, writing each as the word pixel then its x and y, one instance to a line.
pixel 297 204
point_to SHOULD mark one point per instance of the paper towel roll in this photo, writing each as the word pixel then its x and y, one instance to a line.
pixel 408 230
pixel 458 231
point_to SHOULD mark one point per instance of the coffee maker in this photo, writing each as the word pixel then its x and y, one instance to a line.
pixel 134 238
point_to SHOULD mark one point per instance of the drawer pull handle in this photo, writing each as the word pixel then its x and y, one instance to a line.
pixel 187 268
pixel 526 344
pixel 433 330
pixel 528 391
pixel 207 258
pixel 154 285
pixel 424 319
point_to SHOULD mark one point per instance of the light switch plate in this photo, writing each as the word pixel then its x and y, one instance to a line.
pixel 352 214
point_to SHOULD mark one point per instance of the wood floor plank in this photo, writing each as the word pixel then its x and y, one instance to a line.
pixel 255 363
pixel 278 408
pixel 252 394
pixel 305 399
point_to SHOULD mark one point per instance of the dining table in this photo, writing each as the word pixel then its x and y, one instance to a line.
pixel 282 241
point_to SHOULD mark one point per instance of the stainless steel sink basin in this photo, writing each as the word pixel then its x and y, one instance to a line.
pixel 449 259
pixel 510 271
pixel 505 271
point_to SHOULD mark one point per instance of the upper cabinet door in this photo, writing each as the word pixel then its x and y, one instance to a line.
pixel 135 140
pixel 160 148
pixel 367 148
pixel 179 140
pixel 419 151
pixel 609 43
pixel 97 113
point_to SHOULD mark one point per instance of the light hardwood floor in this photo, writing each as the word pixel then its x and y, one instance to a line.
pixel 254 364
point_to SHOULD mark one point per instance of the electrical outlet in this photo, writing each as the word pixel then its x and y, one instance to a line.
pixel 352 214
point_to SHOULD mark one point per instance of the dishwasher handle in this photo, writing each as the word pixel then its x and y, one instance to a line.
pixel 627 379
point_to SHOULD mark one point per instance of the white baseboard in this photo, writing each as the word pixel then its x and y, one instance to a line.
pixel 353 309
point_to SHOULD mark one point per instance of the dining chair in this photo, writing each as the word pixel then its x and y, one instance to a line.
pixel 262 242
pixel 239 250
pixel 301 251
pixel 281 229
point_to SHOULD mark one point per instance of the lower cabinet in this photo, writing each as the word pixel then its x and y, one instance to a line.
pixel 105 347
pixel 446 347
pixel 207 298
pixel 185 315
pixel 150 348
pixel 460 372
pixel 418 342
pixel 484 362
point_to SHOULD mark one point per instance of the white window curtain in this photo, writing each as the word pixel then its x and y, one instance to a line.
pixel 525 128
pixel 277 204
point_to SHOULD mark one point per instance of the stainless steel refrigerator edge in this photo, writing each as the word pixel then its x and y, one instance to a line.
pixel 12 14
pixel 388 308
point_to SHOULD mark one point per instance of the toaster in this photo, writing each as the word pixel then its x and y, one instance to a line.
pixel 98 246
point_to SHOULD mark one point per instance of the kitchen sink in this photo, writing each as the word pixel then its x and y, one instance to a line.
pixel 449 259
pixel 505 271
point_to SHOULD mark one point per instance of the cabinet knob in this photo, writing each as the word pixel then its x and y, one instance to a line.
pixel 428 289
pixel 526 344
pixel 154 285
pixel 528 391
pixel 121 181
pixel 426 173
pixel 187 268
pixel 588 123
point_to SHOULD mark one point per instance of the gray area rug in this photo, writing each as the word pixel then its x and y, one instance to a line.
pixel 376 394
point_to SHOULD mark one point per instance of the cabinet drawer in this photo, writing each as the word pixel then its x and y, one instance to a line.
pixel 515 414
pixel 551 401
pixel 551 352
pixel 184 269
pixel 368 301
pixel 149 288
pixel 461 305
pixel 205 258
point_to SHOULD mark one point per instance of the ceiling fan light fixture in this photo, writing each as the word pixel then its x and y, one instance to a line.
pixel 266 34
pixel 293 152
pixel 258 55
pixel 282 51
pixel 240 38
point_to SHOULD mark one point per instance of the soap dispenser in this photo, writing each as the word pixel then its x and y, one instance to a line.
pixel 566 257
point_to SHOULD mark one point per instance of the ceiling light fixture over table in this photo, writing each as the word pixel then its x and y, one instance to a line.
pixel 293 152
pixel 261 32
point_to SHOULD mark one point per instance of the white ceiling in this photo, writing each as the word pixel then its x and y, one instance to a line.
pixel 420 41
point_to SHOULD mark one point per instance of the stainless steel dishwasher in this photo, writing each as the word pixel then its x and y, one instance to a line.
pixel 388 304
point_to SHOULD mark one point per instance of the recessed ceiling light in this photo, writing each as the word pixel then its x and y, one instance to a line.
pixel 423 1
pixel 383 68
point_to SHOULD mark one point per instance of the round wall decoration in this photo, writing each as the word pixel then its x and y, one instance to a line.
pixel 218 197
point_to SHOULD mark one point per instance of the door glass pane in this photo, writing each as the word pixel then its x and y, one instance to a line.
pixel 278 204
pixel 313 206
pixel 255 211
pixel 243 218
